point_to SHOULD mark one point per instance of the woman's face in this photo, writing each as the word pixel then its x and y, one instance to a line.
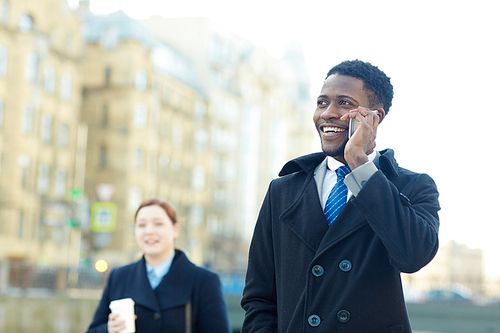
pixel 155 234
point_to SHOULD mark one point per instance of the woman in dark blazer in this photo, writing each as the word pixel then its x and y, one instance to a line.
pixel 186 298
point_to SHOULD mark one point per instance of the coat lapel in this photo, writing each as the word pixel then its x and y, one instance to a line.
pixel 175 288
pixel 349 220
pixel 308 224
pixel 141 291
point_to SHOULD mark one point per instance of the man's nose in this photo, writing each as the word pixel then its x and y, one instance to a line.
pixel 332 112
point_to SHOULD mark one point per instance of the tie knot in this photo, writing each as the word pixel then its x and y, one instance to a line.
pixel 343 171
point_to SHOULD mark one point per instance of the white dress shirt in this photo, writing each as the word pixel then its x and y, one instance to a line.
pixel 353 180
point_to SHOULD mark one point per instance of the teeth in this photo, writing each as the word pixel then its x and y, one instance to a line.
pixel 333 129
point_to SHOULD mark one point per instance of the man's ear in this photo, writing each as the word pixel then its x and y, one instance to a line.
pixel 381 114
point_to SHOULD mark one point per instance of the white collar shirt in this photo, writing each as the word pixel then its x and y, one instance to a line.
pixel 331 177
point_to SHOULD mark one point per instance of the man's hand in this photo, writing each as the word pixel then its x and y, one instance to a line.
pixel 362 142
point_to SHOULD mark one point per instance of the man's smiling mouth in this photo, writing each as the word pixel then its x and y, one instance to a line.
pixel 332 129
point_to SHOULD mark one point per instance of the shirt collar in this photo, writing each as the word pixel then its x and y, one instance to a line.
pixel 162 269
pixel 333 164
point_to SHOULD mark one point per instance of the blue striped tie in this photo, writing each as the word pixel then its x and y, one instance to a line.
pixel 338 195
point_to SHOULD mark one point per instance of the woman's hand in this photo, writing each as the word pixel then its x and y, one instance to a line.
pixel 115 324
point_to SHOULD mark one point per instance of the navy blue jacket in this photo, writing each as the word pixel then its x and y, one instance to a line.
pixel 304 276
pixel 163 309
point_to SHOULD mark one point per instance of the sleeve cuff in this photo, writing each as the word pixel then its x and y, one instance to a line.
pixel 359 176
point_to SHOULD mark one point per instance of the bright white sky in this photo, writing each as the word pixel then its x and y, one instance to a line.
pixel 443 60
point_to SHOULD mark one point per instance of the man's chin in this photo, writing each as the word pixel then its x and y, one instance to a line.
pixel 333 152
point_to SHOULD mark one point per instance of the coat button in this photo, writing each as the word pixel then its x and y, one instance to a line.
pixel 345 265
pixel 343 316
pixel 318 270
pixel 314 320
pixel 157 316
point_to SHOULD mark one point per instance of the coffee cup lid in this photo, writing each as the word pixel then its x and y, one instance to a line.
pixel 121 302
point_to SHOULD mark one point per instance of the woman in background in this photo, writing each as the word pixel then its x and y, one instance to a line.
pixel 171 294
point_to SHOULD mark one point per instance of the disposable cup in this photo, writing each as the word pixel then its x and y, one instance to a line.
pixel 125 308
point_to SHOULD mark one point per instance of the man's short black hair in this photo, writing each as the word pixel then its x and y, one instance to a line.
pixel 375 81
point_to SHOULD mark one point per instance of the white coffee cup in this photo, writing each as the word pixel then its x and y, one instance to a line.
pixel 125 308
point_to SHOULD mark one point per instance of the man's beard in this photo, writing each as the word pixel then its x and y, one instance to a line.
pixel 334 152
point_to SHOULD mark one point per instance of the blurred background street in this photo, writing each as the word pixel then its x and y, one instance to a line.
pixel 103 104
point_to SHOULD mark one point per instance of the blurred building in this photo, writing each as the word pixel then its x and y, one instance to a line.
pixel 454 265
pixel 147 131
pixel 103 112
pixel 40 99
pixel 259 106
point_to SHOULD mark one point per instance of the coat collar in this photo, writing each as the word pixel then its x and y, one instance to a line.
pixel 174 290
pixel 385 162
pixel 305 163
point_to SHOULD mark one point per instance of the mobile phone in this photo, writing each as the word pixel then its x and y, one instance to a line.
pixel 353 124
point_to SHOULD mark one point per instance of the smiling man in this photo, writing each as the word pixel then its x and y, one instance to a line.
pixel 337 228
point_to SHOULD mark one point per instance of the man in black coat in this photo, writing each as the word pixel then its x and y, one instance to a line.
pixel 320 264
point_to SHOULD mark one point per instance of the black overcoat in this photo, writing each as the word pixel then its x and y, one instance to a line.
pixel 164 309
pixel 304 276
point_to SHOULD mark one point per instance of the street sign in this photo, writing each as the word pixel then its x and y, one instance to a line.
pixel 103 217
pixel 75 194
pixel 55 214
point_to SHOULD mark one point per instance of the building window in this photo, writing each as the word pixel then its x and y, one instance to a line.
pixel 141 80
pixel 50 80
pixel 200 109
pixel 69 44
pixel 59 183
pixel 24 163
pixel 107 76
pixel 105 115
pixel 198 180
pixel 43 179
pixel 102 157
pixel 66 87
pixel 163 163
pixel 134 198
pixel 5 11
pixel 201 140
pixel 140 116
pixel 3 60
pixel 138 159
pixel 167 93
pixel 46 129
pixel 1 112
pixel 20 227
pixel 153 163
pixel 197 215
pixel 27 120
pixel 62 138
pixel 177 135
pixel 25 23
pixel 31 68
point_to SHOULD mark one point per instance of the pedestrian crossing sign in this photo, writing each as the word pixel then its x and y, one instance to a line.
pixel 103 217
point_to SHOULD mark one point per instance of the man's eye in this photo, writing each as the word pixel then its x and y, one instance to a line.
pixel 321 103
pixel 345 103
